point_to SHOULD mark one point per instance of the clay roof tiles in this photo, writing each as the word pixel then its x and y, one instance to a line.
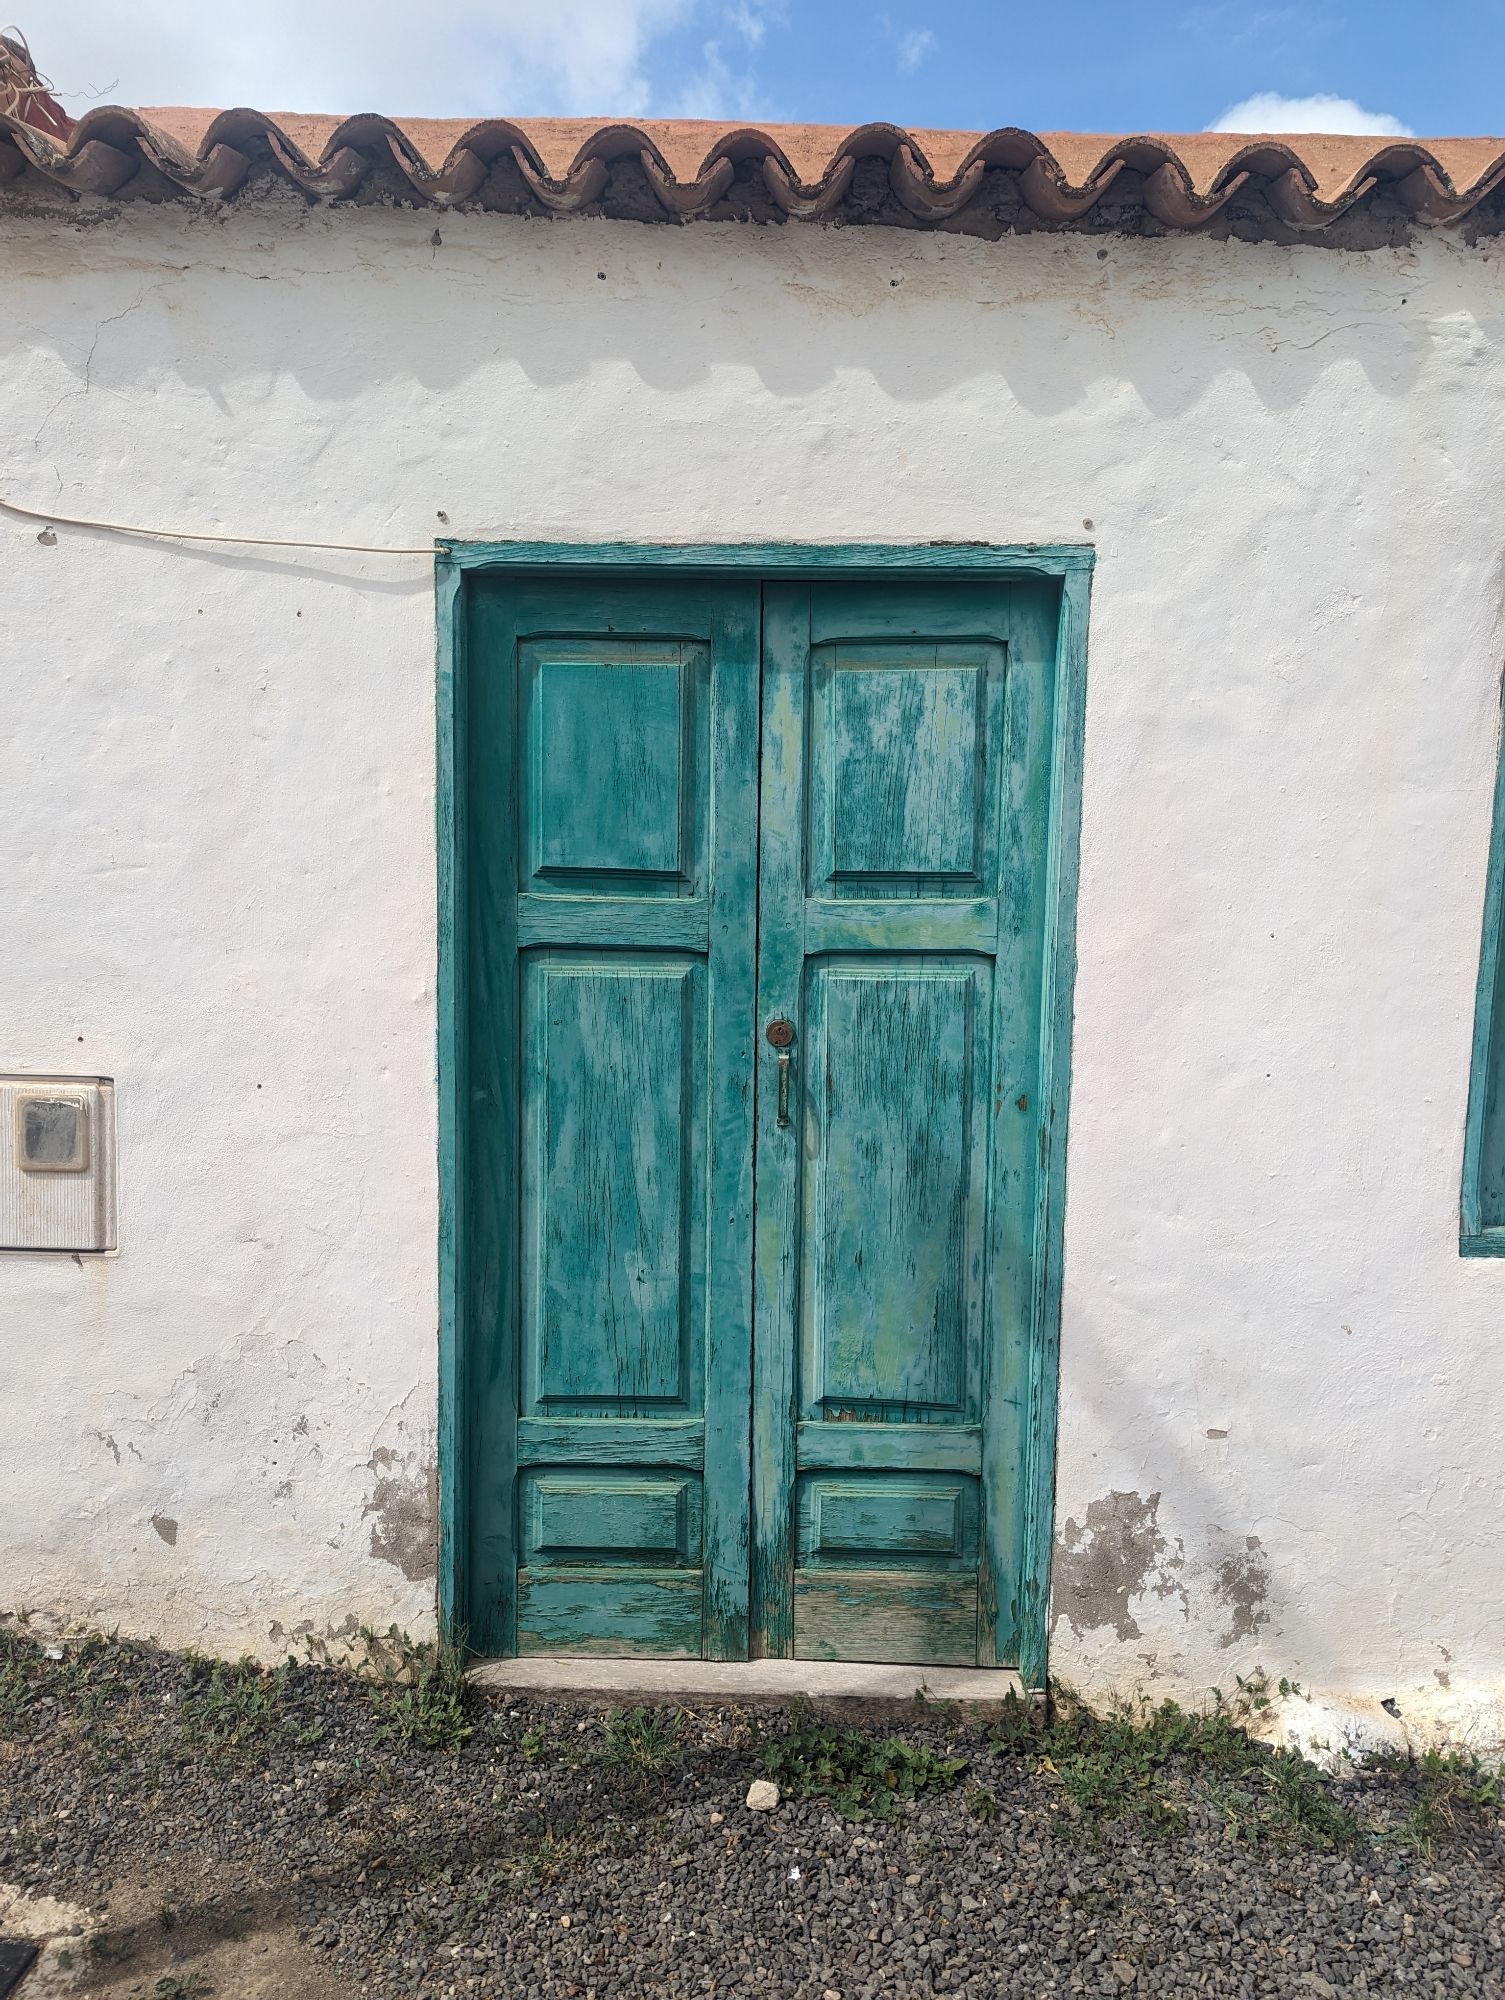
pixel 1317 187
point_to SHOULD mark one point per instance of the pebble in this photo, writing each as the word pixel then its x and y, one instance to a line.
pixel 762 1795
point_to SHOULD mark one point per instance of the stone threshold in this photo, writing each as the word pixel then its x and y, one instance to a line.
pixel 744 1680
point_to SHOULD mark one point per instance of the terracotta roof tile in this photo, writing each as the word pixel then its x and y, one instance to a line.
pixel 1322 188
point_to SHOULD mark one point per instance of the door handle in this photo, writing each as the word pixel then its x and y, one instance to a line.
pixel 781 1039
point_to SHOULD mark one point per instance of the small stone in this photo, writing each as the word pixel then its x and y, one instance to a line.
pixel 1462 1957
pixel 1125 1972
pixel 717 1818
pixel 762 1795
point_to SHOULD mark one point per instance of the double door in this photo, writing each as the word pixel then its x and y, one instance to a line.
pixel 754 996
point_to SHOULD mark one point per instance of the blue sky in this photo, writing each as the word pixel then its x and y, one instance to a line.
pixel 1113 67
pixel 962 63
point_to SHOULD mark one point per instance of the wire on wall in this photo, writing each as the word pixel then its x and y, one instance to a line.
pixel 192 535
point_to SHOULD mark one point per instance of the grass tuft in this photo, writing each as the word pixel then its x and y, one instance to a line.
pixel 1147 1763
pixel 860 1778
pixel 1455 1791
pixel 646 1742
pixel 232 1705
pixel 417 1688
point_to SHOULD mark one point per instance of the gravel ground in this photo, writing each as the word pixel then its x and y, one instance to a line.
pixel 225 1831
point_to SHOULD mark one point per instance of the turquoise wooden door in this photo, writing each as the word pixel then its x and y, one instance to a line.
pixel 613 771
pixel 752 1309
pixel 905 767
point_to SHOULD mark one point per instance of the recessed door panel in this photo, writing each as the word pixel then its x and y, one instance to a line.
pixel 598 1515
pixel 895 1188
pixel 856 1520
pixel 898 734
pixel 613 1183
pixel 614 788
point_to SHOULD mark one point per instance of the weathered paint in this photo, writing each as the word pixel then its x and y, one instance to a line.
pixel 604 1164
pixel 1481 1225
pixel 908 744
pixel 618 827
pixel 217 839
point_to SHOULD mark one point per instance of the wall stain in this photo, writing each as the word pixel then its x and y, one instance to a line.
pixel 1114 1554
pixel 405 1503
pixel 1241 1583
pixel 305 1629
pixel 167 1528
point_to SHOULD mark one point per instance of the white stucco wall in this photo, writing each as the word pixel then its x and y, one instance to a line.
pixel 1282 1435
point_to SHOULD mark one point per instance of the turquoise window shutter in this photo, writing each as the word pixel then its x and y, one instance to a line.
pixel 1482 1211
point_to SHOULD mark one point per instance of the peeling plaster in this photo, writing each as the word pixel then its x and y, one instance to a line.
pixel 1241 1584
pixel 405 1503
pixel 1115 1554
pixel 167 1528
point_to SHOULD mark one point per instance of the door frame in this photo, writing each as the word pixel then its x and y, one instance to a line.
pixel 1072 566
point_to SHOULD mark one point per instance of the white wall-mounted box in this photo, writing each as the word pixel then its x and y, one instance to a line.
pixel 57 1163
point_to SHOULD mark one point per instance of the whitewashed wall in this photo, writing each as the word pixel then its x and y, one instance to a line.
pixel 1282 1434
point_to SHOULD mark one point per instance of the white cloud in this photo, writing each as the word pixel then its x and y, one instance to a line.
pixel 914 47
pixel 724 87
pixel 1267 111
pixel 467 58
pixel 716 90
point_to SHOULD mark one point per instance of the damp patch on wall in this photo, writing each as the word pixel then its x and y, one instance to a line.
pixel 1113 1555
pixel 404 1512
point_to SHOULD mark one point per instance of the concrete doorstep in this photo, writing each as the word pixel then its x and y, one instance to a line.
pixel 744 1680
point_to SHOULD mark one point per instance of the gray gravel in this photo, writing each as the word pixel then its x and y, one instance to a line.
pixel 529 1861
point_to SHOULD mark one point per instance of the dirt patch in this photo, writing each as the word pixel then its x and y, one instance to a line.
pixel 172 1936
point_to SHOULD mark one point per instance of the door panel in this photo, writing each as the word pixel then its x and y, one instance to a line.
pixel 614 796
pixel 613 770
pixel 897 875
pixel 894 1199
pixel 898 768
pixel 613 1184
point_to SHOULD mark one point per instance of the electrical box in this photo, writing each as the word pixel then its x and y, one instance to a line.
pixel 57 1163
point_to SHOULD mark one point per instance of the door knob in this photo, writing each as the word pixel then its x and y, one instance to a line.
pixel 780 1034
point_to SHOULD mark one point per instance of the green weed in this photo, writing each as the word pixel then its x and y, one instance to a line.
pixel 645 1741
pixel 418 1688
pixel 860 1778
pixel 80 1672
pixel 533 1745
pixel 561 1850
pixel 181 1986
pixel 233 1705
pixel 1453 1789
pixel 1148 1763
